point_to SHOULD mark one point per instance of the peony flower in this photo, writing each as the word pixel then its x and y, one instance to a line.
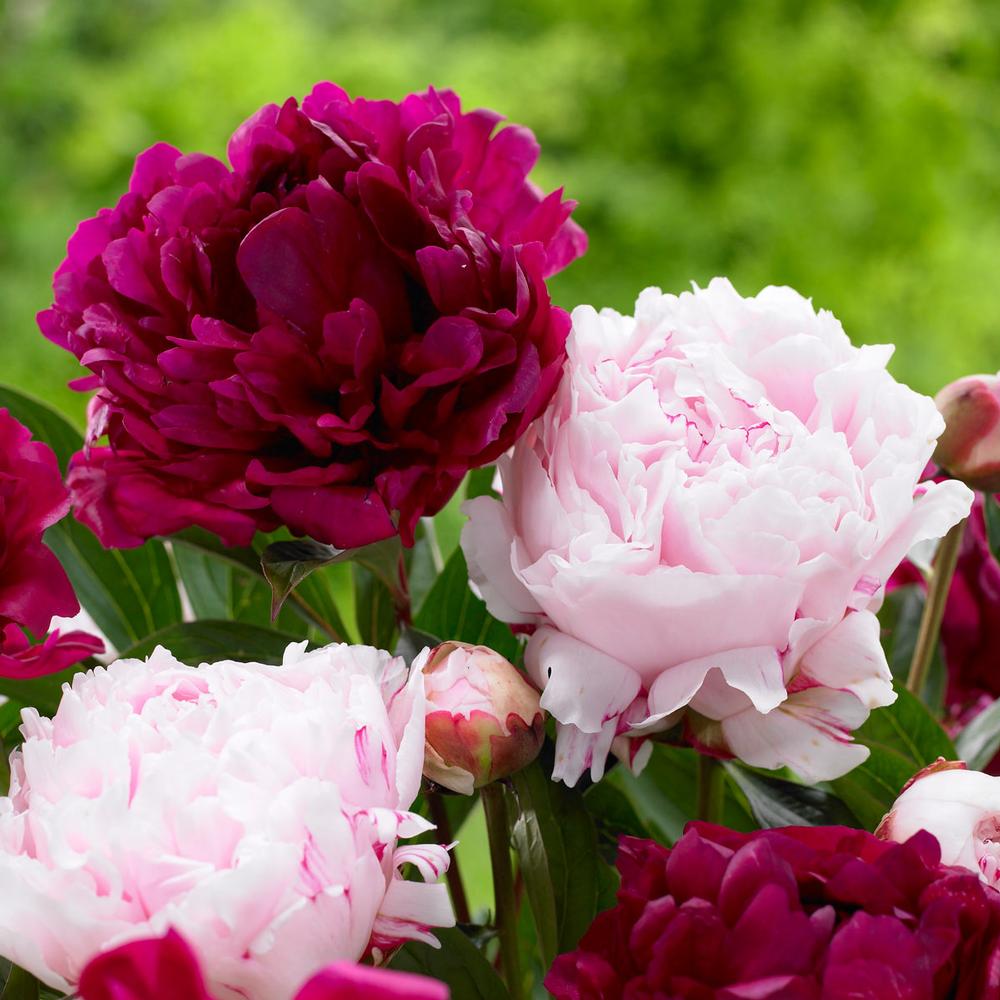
pixel 970 445
pixel 961 808
pixel 970 629
pixel 255 809
pixel 166 969
pixel 33 586
pixel 701 525
pixel 483 718
pixel 788 914
pixel 327 334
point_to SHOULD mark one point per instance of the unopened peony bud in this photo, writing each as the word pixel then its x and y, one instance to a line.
pixel 970 447
pixel 484 720
pixel 961 808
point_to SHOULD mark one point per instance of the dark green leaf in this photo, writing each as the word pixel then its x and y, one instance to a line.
pixel 614 815
pixel 128 592
pixel 452 611
pixel 20 985
pixel 375 609
pixel 556 844
pixel 286 564
pixel 457 962
pixel 775 802
pixel 899 618
pixel 991 514
pixel 208 641
pixel 902 738
pixel 44 423
pixel 480 482
pixel 665 795
pixel 979 741
pixel 411 641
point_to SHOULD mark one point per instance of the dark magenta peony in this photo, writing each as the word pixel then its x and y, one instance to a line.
pixel 33 585
pixel 166 969
pixel 970 630
pixel 326 335
pixel 810 913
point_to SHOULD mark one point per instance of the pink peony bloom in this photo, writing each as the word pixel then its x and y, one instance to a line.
pixel 970 445
pixel 166 969
pixel 33 586
pixel 255 809
pixel 327 334
pixel 484 721
pixel 789 914
pixel 701 525
pixel 961 808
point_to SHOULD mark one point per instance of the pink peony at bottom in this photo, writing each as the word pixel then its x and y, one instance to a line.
pixel 257 810
pixel 811 913
pixel 166 969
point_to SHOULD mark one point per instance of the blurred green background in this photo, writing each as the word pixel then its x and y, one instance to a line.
pixel 851 149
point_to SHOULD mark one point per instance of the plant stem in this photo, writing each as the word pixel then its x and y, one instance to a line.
pixel 439 813
pixel 498 830
pixel 401 595
pixel 710 789
pixel 937 595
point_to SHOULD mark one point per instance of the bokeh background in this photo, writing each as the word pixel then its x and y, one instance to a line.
pixel 851 149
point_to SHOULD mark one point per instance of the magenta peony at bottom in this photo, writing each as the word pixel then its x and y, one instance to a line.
pixel 811 913
pixel 166 969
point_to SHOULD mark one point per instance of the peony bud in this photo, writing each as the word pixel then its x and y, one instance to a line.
pixel 961 808
pixel 969 448
pixel 484 720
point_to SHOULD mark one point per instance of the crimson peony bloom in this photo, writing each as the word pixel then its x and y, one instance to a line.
pixel 33 585
pixel 796 914
pixel 166 969
pixel 326 335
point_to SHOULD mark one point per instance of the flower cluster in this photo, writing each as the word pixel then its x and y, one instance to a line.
pixel 34 587
pixel 255 809
pixel 326 335
pixel 701 525
pixel 796 914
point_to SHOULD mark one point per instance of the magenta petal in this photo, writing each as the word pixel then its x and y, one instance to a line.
pixel 346 981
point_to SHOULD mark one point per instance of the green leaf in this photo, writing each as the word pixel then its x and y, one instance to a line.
pixel 979 741
pixel 286 564
pixel 902 738
pixel 20 985
pixel 458 962
pixel 412 641
pixel 665 794
pixel 614 815
pixel 556 844
pixel 480 482
pixel 128 592
pixel 375 609
pixel 991 515
pixel 207 641
pixel 776 802
pixel 899 618
pixel 452 611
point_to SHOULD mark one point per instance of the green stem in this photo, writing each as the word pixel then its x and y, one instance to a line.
pixel 937 596
pixel 711 790
pixel 498 830
pixel 439 813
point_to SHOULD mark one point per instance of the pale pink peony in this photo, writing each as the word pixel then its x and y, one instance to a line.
pixel 961 808
pixel 701 525
pixel 484 721
pixel 255 809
